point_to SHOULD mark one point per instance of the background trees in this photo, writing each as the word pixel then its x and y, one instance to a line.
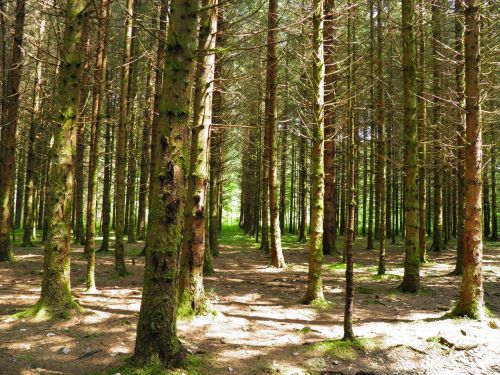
pixel 314 90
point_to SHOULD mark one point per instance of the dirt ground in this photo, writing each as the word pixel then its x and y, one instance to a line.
pixel 260 327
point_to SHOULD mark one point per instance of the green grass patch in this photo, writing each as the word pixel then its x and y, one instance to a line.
pixel 341 266
pixel 346 349
pixel 387 276
pixel 192 365
pixel 304 330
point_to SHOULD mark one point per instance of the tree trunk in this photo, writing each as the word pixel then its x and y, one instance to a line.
pixel 351 151
pixel 329 127
pixel 98 115
pixel 460 121
pixel 471 302
pixel 191 290
pixel 8 133
pixel 55 299
pixel 315 282
pixel 156 329
pixel 31 175
pixel 121 143
pixel 277 259
pixel 411 278
pixel 437 78
pixel 381 139
pixel 422 116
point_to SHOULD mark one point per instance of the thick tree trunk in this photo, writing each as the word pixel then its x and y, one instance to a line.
pixel 411 277
pixel 156 329
pixel 8 133
pixel 56 299
pixel 471 302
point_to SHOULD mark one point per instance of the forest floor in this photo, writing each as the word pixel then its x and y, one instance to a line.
pixel 258 325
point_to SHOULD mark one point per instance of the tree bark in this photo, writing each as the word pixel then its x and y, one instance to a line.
pixel 156 329
pixel 55 299
pixel 98 115
pixel 411 277
pixel 471 301
pixel 191 290
pixel 315 283
pixel 121 142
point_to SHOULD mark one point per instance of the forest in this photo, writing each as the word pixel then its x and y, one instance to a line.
pixel 194 187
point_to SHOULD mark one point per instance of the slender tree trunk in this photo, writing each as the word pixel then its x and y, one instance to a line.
pixel 422 116
pixel 382 142
pixel 351 151
pixel 145 158
pixel 437 41
pixel 121 142
pixel 494 224
pixel 277 259
pixel 21 174
pixel 329 127
pixel 215 146
pixel 98 115
pixel 8 133
pixel 55 299
pixel 370 245
pixel 471 302
pixel 315 282
pixel 31 175
pixel 191 290
pixel 411 278
pixel 156 329
pixel 460 128
pixel 303 190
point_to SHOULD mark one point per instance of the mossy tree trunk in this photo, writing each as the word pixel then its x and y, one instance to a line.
pixel 98 115
pixel 9 117
pixel 315 282
pixel 191 290
pixel 471 302
pixel 56 299
pixel 156 329
pixel 411 278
